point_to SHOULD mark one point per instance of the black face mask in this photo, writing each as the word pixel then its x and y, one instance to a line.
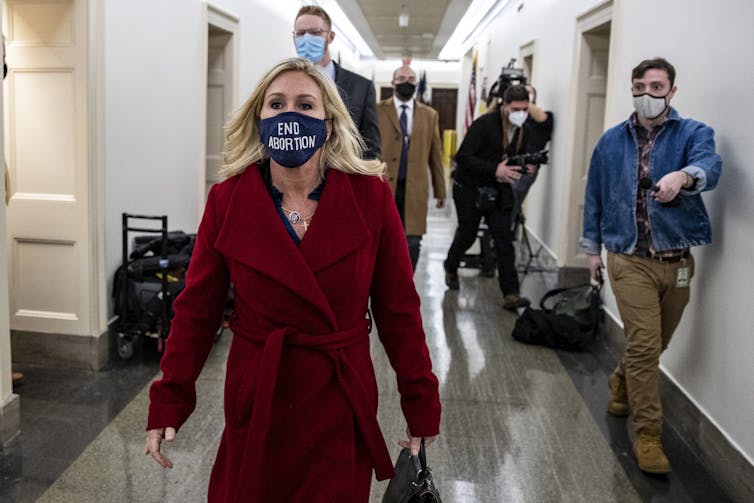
pixel 405 90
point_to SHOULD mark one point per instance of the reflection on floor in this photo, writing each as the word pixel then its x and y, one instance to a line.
pixel 520 423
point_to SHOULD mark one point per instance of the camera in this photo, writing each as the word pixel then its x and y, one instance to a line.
pixel 522 160
pixel 486 198
pixel 508 76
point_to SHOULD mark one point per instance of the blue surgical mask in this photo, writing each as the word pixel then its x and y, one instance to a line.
pixel 310 47
pixel 291 138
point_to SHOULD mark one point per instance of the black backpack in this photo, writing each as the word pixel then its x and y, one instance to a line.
pixel 569 318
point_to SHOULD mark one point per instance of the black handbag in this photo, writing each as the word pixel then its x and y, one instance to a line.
pixel 570 318
pixel 582 303
pixel 412 482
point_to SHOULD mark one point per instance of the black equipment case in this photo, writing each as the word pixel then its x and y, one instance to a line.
pixel 147 281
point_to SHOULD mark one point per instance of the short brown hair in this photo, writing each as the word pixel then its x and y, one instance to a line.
pixel 654 64
pixel 315 10
pixel 515 93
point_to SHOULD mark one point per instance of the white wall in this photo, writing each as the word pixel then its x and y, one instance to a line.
pixel 154 113
pixel 155 108
pixel 712 355
pixel 551 25
pixel 713 349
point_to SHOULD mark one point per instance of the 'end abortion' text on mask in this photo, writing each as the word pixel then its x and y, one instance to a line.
pixel 292 138
pixel 283 140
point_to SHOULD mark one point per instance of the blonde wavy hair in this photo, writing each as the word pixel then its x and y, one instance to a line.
pixel 341 151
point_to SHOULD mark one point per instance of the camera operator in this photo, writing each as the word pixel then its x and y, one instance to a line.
pixel 539 128
pixel 482 187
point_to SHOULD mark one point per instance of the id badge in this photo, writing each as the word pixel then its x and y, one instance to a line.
pixel 682 277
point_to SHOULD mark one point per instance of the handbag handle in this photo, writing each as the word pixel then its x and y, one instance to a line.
pixel 596 287
pixel 423 456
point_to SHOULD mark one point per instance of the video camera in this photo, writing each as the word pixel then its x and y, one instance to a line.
pixel 522 160
pixel 508 76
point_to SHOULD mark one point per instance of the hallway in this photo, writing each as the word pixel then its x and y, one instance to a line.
pixel 520 423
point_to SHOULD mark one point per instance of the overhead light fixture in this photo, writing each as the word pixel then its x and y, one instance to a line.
pixel 403 18
pixel 476 19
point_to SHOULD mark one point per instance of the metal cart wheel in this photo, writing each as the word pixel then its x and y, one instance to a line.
pixel 126 345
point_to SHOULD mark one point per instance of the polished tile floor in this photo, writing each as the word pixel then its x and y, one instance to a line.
pixel 520 423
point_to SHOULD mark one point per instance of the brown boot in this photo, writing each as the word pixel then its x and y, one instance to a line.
pixel 617 405
pixel 649 455
pixel 513 301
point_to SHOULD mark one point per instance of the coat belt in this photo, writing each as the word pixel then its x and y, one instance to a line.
pixel 332 345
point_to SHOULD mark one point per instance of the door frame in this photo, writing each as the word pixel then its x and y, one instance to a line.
pixel 97 169
pixel 223 20
pixel 570 220
pixel 528 50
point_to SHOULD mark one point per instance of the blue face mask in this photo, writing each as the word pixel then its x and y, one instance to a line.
pixel 310 47
pixel 291 138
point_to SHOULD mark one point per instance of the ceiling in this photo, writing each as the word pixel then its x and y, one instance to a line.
pixel 430 24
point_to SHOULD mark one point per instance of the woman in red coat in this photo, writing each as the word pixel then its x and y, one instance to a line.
pixel 310 237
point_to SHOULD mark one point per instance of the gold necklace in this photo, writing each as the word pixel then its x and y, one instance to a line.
pixel 295 218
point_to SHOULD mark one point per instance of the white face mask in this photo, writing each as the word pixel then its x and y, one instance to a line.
pixel 518 118
pixel 648 106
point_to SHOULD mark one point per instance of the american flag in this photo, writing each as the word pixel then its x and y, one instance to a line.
pixel 421 90
pixel 471 104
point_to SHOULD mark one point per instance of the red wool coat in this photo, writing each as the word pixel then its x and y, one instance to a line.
pixel 300 390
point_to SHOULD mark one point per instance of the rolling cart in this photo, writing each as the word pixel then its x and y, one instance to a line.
pixel 144 286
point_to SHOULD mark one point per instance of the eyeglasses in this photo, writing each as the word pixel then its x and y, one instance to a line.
pixel 317 32
pixel 403 79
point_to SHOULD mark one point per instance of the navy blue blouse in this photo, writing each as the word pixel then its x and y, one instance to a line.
pixel 277 197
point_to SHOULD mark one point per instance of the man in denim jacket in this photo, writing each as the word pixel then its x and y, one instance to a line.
pixel 643 204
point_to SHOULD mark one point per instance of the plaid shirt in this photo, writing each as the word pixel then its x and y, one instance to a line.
pixel 646 141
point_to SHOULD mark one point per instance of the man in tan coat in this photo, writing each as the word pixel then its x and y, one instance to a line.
pixel 410 139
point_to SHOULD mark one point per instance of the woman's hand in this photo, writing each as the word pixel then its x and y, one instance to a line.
pixel 154 439
pixel 413 443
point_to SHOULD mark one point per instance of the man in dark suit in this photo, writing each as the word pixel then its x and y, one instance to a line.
pixel 412 149
pixel 312 35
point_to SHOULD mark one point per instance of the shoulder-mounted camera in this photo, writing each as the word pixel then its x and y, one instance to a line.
pixel 509 76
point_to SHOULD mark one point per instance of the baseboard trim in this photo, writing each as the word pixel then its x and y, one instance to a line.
pixel 727 464
pixel 61 350
pixel 725 461
pixel 10 420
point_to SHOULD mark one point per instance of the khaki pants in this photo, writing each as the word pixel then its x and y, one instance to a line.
pixel 650 305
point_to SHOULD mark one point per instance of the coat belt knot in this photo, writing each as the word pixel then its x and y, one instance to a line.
pixel 332 344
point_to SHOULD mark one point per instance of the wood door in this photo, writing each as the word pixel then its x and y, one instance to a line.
pixel 589 126
pixel 47 153
pixel 219 99
pixel 445 101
